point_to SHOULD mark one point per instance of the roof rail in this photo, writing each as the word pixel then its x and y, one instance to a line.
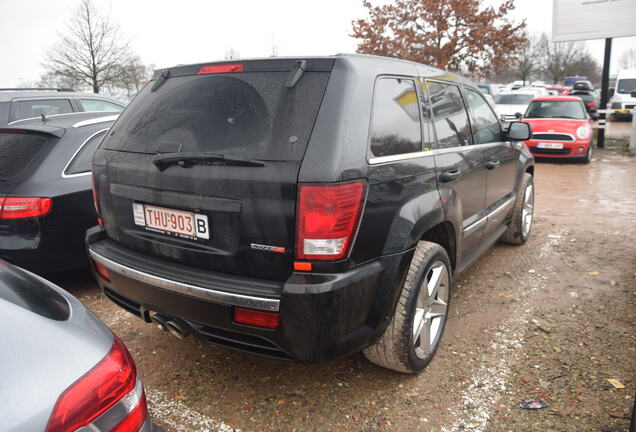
pixel 59 89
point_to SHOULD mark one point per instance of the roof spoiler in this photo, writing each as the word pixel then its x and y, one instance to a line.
pixel 59 89
pixel 50 130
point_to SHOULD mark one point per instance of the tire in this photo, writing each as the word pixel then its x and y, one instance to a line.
pixel 588 155
pixel 518 233
pixel 399 348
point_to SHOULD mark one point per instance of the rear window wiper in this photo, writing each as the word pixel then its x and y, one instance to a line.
pixel 162 161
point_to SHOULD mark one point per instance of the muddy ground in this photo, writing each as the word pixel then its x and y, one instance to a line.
pixel 554 318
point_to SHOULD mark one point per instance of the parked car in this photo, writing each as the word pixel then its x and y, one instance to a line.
pixel 510 105
pixel 46 201
pixel 557 90
pixel 624 98
pixel 590 100
pixel 19 104
pixel 569 81
pixel 62 369
pixel 304 208
pixel 490 89
pixel 560 128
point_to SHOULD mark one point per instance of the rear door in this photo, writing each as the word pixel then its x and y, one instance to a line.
pixel 500 160
pixel 461 173
pixel 229 203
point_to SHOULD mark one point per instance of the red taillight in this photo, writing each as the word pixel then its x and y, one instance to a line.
pixel 216 69
pixel 328 216
pixel 256 318
pixel 102 271
pixel 20 208
pixel 591 104
pixel 89 399
pixel 96 203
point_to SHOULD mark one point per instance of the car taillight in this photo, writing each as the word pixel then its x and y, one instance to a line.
pixel 215 69
pixel 591 104
pixel 96 203
pixel 328 217
pixel 108 398
pixel 102 270
pixel 20 208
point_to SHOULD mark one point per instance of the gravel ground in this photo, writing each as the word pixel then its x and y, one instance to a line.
pixel 554 319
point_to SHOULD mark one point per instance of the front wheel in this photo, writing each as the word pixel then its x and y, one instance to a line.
pixel 588 155
pixel 415 331
pixel 521 223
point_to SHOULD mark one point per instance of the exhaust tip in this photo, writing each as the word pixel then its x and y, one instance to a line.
pixel 177 329
pixel 160 321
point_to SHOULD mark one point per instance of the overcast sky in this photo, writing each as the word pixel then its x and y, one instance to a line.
pixel 165 33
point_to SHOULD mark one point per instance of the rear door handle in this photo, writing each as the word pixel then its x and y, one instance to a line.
pixel 449 176
pixel 492 164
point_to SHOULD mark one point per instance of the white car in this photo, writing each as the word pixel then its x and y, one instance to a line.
pixel 624 99
pixel 508 104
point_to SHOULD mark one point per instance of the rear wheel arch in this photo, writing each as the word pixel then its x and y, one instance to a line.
pixel 444 235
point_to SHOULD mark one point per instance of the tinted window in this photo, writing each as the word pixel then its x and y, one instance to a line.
pixel 245 115
pixel 449 113
pixel 17 152
pixel 485 125
pixel 83 160
pixel 556 109
pixel 626 85
pixel 395 123
pixel 98 105
pixel 514 99
pixel 35 108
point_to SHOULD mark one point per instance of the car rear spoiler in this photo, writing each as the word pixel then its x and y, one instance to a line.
pixel 50 130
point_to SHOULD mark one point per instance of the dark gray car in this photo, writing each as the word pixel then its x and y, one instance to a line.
pixel 61 368
pixel 16 104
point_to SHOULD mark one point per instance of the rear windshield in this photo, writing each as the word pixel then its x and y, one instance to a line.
pixel 19 152
pixel 626 85
pixel 556 109
pixel 514 99
pixel 247 115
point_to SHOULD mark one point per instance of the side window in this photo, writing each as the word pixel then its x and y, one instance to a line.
pixel 395 122
pixel 35 108
pixel 98 105
pixel 486 128
pixel 449 115
pixel 82 162
pixel 427 116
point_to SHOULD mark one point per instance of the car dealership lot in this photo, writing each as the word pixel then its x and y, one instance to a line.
pixel 554 318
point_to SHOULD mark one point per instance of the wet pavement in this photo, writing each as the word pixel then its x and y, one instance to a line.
pixel 554 319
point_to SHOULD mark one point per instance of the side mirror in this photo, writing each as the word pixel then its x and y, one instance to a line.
pixel 519 131
pixel 518 115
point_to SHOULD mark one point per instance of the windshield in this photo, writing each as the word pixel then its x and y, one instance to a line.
pixel 556 109
pixel 514 99
pixel 250 115
pixel 626 86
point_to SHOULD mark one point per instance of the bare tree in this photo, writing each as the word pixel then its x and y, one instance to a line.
pixel 562 58
pixel 133 75
pixel 91 50
pixel 273 47
pixel 627 60
pixel 528 62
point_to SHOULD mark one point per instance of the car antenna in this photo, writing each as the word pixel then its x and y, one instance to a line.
pixel 296 73
pixel 44 119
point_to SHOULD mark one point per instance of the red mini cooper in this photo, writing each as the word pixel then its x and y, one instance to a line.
pixel 561 128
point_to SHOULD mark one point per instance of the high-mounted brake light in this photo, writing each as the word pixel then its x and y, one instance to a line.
pixel 21 208
pixel 216 69
pixel 328 217
pixel 108 398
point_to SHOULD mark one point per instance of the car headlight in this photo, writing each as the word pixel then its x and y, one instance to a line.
pixel 584 132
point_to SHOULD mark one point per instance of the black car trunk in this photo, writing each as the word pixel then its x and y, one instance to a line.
pixel 201 168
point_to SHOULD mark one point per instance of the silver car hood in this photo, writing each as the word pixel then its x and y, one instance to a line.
pixel 41 357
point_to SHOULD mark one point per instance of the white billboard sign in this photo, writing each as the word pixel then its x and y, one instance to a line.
pixel 593 19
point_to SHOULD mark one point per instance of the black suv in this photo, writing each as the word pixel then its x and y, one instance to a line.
pixel 305 208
